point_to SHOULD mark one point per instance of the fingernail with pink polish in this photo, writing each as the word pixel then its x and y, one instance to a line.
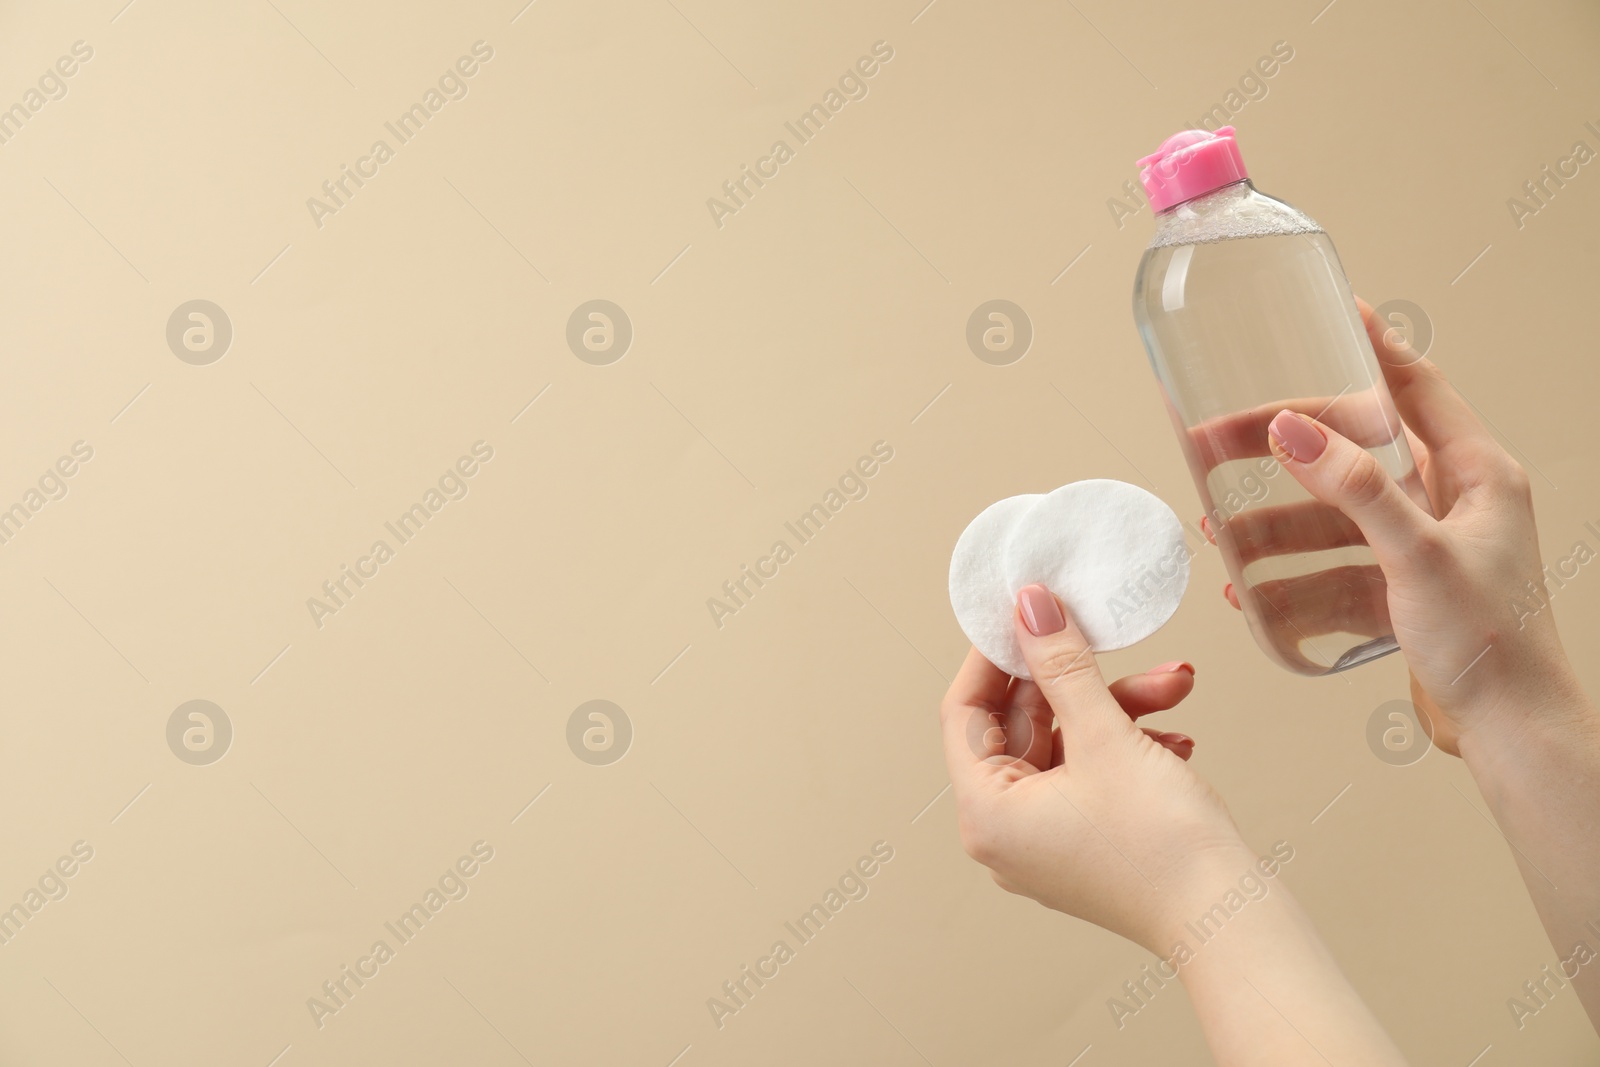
pixel 1173 667
pixel 1298 437
pixel 1040 611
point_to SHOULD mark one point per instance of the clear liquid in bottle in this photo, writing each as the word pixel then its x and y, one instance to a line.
pixel 1245 311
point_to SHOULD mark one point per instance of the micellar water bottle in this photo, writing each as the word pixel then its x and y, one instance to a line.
pixel 1245 311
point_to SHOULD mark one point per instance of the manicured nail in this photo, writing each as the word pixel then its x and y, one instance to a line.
pixel 1205 528
pixel 1173 667
pixel 1040 611
pixel 1177 739
pixel 1297 436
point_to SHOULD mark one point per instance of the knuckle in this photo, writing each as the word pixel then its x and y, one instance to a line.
pixel 1513 478
pixel 1064 665
pixel 1362 481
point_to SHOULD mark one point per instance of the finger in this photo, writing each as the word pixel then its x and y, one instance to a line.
pixel 1285 529
pixel 1295 612
pixel 1205 528
pixel 1029 720
pixel 1458 453
pixel 1159 689
pixel 1419 454
pixel 1064 668
pixel 1427 402
pixel 1328 601
pixel 1180 745
pixel 1347 477
pixel 1364 417
pixel 1441 492
pixel 970 733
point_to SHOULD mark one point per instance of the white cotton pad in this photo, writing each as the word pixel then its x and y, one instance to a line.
pixel 1112 552
pixel 979 593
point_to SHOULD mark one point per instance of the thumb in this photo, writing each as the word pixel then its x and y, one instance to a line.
pixel 1064 669
pixel 1343 475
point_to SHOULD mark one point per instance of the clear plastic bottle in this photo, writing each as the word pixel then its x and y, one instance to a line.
pixel 1245 311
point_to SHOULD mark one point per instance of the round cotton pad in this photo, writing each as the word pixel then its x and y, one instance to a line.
pixel 978 590
pixel 1112 552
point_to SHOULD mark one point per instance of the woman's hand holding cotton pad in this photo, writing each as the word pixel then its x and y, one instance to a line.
pixel 1112 552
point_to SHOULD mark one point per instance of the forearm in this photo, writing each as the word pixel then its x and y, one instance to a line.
pixel 1540 775
pixel 1268 992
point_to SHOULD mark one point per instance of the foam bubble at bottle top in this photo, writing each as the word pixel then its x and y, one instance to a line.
pixel 1242 217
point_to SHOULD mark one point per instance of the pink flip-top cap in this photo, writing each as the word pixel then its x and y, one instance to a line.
pixel 1191 164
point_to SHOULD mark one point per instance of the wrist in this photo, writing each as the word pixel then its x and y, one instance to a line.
pixel 1528 683
pixel 1219 886
pixel 1503 735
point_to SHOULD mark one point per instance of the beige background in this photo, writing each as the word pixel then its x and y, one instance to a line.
pixel 768 355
